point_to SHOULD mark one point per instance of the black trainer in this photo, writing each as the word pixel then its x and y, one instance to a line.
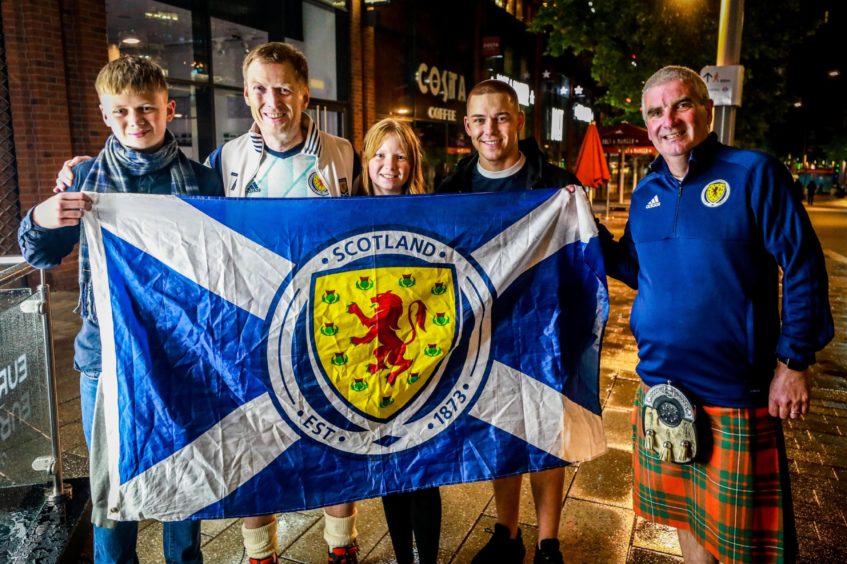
pixel 501 549
pixel 548 552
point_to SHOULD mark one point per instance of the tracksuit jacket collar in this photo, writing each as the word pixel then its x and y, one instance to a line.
pixel 701 156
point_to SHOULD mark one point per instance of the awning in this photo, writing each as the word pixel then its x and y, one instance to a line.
pixel 630 139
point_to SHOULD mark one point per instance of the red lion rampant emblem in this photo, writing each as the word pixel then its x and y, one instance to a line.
pixel 383 327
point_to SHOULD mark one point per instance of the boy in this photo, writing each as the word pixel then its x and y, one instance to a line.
pixel 141 156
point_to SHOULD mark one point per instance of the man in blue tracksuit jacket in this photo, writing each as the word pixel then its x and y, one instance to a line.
pixel 710 227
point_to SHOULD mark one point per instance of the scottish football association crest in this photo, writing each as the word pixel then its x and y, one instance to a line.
pixel 364 333
pixel 715 193
pixel 381 343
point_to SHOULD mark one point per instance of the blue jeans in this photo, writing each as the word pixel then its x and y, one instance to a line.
pixel 181 539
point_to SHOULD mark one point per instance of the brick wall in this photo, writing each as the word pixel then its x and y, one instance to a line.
pixel 357 100
pixel 54 49
pixel 84 26
pixel 363 81
pixel 369 78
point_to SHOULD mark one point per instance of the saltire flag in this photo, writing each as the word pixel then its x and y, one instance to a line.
pixel 265 355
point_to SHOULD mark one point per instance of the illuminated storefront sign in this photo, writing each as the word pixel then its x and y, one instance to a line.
pixel 526 95
pixel 443 114
pixel 583 113
pixel 445 84
pixel 557 124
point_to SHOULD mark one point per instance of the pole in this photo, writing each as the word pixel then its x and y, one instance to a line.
pixel 621 177
pixel 729 53
pixel 60 491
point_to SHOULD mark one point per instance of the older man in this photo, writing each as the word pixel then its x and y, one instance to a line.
pixel 709 228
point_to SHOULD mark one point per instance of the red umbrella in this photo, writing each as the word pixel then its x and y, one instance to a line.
pixel 591 167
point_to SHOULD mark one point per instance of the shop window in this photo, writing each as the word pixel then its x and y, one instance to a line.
pixel 158 31
pixel 328 119
pixel 195 40
pixel 319 47
pixel 338 4
pixel 230 42
pixel 184 125
pixel 232 116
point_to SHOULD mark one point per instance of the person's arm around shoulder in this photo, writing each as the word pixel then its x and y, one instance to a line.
pixel 65 178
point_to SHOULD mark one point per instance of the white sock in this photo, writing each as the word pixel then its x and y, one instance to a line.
pixel 260 542
pixel 340 531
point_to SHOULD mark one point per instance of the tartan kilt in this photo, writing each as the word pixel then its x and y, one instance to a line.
pixel 736 500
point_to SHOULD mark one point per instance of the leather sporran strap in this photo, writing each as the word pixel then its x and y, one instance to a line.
pixel 668 424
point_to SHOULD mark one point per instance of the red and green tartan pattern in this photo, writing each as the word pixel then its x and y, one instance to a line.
pixel 737 503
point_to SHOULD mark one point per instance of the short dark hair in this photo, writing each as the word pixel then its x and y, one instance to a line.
pixel 494 86
pixel 278 52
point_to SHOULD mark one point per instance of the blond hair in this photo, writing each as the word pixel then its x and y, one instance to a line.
pixel 130 74
pixel 276 52
pixel 674 72
pixel 410 144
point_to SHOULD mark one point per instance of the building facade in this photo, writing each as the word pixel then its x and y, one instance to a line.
pixel 368 59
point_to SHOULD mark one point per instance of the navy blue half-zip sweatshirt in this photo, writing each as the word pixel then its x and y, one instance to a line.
pixel 704 253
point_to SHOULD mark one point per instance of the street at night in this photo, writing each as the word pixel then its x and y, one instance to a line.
pixel 216 332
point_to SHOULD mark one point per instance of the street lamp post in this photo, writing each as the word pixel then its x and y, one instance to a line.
pixel 729 53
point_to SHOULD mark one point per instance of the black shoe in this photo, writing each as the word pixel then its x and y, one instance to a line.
pixel 547 552
pixel 501 549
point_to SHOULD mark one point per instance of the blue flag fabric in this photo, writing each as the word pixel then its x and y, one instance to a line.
pixel 269 355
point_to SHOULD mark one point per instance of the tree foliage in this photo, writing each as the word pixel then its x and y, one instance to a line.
pixel 627 41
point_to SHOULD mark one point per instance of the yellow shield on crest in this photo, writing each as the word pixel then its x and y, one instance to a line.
pixel 380 333
pixel 715 193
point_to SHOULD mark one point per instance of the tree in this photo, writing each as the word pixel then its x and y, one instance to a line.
pixel 627 41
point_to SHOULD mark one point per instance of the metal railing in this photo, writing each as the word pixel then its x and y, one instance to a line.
pixel 15 270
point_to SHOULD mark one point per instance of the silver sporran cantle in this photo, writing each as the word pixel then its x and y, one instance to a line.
pixel 668 424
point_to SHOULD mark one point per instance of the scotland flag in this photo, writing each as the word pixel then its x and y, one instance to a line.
pixel 274 355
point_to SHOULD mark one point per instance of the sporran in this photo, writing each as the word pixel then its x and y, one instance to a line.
pixel 668 419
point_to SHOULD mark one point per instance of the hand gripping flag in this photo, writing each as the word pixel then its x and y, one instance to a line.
pixel 274 355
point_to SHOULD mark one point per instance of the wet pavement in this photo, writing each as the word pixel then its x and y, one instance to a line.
pixel 598 524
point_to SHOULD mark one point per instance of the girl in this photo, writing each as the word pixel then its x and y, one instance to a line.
pixel 393 155
pixel 394 160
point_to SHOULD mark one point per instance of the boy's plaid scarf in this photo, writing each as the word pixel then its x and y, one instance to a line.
pixel 112 171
